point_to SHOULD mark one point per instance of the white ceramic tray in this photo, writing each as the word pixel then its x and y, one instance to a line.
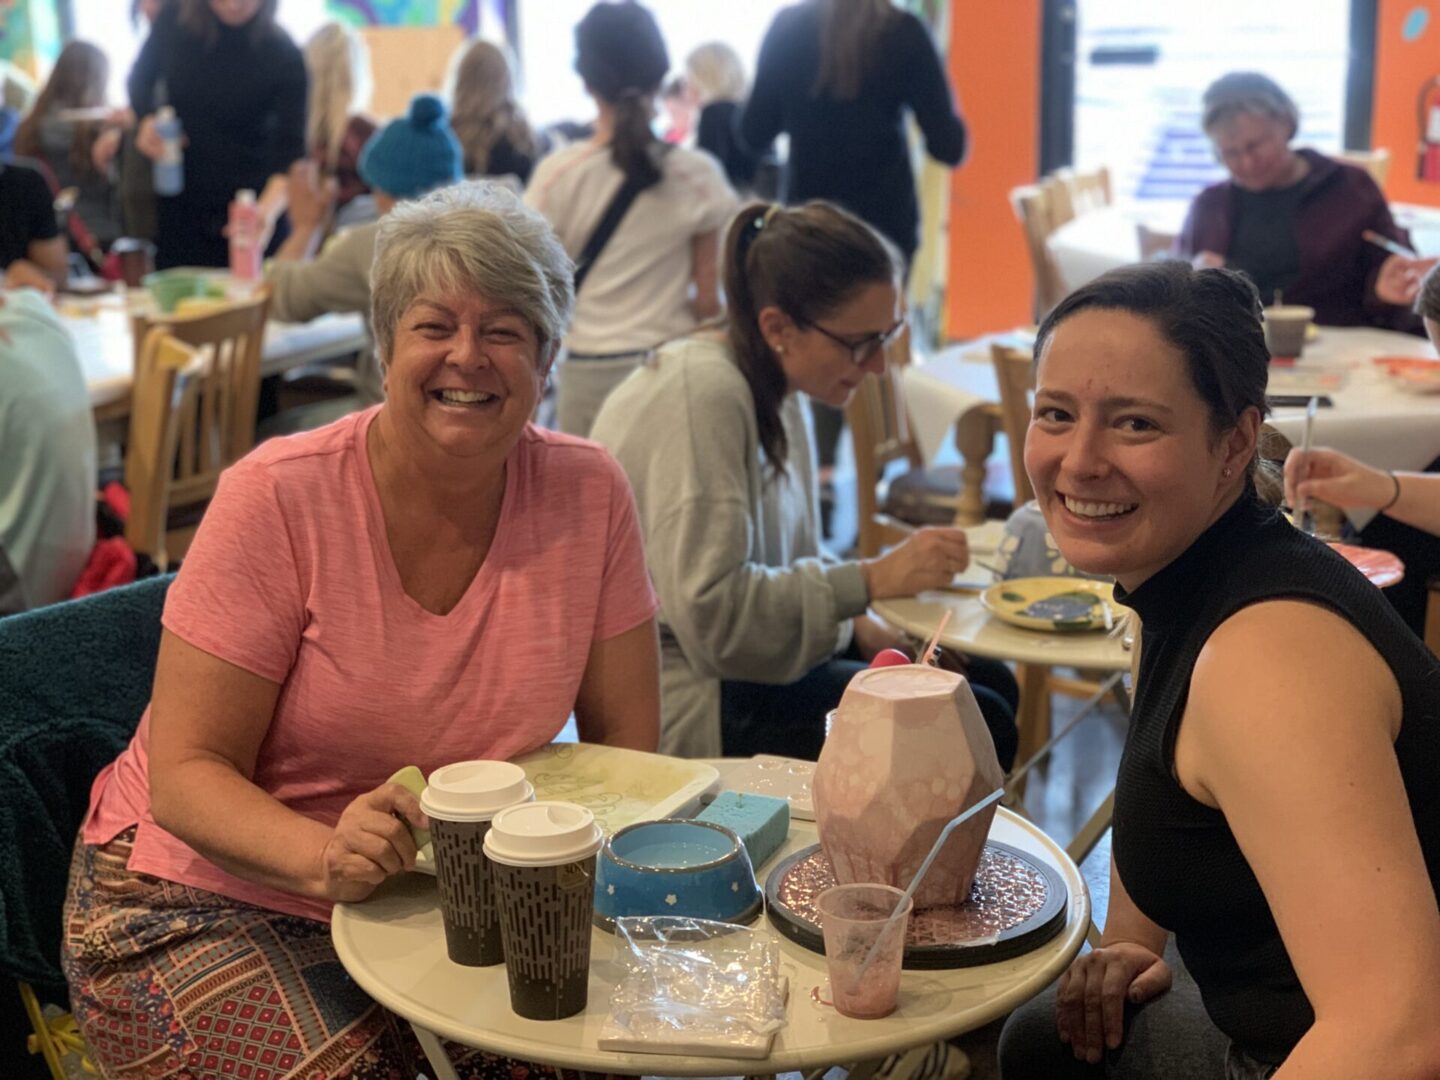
pixel 618 786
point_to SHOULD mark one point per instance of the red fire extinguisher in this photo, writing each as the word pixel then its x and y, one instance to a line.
pixel 1428 166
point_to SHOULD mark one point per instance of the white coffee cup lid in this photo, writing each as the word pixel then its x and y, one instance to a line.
pixel 542 834
pixel 474 790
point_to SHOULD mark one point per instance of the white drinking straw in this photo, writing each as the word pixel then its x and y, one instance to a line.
pixel 955 822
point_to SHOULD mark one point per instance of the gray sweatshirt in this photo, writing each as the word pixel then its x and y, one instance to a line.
pixel 746 593
pixel 338 279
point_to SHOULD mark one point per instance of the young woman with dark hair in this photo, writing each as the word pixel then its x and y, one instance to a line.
pixel 238 84
pixel 1275 808
pixel 761 630
pixel 658 274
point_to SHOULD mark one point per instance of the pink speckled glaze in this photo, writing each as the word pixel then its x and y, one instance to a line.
pixel 908 751
pixel 1007 892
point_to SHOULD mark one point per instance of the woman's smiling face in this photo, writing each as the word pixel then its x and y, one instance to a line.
pixel 1121 449
pixel 464 372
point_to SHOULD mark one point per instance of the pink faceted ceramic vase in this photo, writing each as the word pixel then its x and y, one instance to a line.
pixel 908 750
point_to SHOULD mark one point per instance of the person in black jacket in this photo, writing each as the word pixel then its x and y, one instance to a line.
pixel 715 79
pixel 838 76
pixel 237 83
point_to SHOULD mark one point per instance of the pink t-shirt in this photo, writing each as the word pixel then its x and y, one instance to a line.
pixel 290 577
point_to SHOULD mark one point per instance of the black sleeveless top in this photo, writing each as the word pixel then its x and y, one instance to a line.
pixel 1177 857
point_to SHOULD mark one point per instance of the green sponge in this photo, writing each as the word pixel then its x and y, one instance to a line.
pixel 761 821
pixel 413 780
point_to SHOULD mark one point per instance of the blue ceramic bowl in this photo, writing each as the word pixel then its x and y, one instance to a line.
pixel 675 867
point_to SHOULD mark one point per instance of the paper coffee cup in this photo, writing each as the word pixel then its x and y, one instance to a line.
pixel 1285 326
pixel 460 800
pixel 542 862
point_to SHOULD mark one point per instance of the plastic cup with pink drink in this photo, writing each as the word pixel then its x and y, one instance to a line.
pixel 856 920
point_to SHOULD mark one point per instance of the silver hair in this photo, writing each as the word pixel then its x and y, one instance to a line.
pixel 477 236
pixel 1247 92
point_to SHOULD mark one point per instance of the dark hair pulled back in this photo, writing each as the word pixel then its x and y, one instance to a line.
pixel 808 261
pixel 621 56
pixel 1211 316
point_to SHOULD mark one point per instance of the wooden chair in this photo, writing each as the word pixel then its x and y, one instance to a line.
pixel 1015 375
pixel 1036 209
pixel 164 404
pixel 1376 162
pixel 880 433
pixel 213 421
pixel 1079 193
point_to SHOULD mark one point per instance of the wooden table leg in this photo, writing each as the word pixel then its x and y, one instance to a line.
pixel 975 439
pixel 1033 717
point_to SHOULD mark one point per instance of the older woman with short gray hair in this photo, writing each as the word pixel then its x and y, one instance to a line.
pixel 1294 220
pixel 431 580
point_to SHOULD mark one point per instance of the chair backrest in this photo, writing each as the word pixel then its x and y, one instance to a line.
pixel 880 433
pixel 1081 192
pixel 221 429
pixel 164 402
pixel 74 680
pixel 1376 162
pixel 1015 375
pixel 1035 208
pixel 1432 616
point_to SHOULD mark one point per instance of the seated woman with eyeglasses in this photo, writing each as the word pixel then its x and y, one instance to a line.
pixel 760 629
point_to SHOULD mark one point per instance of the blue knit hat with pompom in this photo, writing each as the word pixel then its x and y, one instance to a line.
pixel 413 155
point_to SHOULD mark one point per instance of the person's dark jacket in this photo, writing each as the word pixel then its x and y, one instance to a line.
pixel 1338 267
pixel 854 152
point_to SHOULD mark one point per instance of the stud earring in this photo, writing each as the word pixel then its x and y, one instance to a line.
pixel 1227 472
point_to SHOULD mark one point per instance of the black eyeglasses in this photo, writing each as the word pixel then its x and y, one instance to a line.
pixel 862 351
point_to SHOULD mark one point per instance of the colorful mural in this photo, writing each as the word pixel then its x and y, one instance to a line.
pixel 465 13
pixel 29 34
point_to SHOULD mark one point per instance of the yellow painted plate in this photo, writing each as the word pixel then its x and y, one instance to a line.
pixel 1053 603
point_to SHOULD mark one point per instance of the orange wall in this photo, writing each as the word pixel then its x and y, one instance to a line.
pixel 995 70
pixel 1401 68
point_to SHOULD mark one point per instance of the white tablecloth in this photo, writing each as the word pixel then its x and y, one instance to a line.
pixel 101 330
pixel 1103 239
pixel 1373 418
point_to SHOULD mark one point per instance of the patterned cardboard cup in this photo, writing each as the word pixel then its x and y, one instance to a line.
pixel 542 861
pixel 460 800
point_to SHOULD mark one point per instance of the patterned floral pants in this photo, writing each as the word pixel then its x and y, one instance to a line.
pixel 169 982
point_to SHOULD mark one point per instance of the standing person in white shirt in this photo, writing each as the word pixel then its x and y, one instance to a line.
pixel 656 274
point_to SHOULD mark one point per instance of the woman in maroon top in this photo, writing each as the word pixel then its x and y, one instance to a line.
pixel 336 127
pixel 1293 220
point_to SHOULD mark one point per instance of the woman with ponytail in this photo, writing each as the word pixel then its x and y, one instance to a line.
pixel 760 629
pixel 656 274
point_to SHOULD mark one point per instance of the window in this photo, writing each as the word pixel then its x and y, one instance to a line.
pixel 107 24
pixel 546 45
pixel 1142 67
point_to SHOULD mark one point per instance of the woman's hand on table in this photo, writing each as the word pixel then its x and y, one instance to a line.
pixel 1398 281
pixel 371 842
pixel 1090 1005
pixel 928 558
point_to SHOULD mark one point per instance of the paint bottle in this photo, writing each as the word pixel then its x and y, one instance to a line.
pixel 169 167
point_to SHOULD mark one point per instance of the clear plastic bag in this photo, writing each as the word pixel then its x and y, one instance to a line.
pixel 695 984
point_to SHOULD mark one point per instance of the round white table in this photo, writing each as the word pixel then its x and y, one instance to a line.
pixel 972 629
pixel 394 946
